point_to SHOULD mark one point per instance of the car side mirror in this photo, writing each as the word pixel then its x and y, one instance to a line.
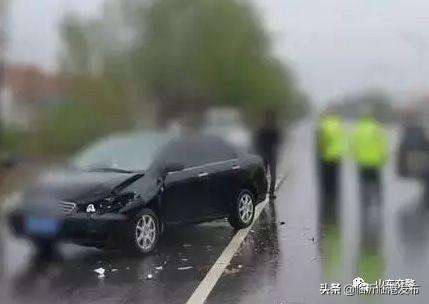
pixel 172 167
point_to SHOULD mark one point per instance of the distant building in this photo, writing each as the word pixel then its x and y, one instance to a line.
pixel 25 90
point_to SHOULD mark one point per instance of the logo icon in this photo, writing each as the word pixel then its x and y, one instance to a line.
pixel 360 284
pixel 90 208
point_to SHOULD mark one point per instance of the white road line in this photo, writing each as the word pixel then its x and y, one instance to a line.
pixel 205 287
pixel 203 290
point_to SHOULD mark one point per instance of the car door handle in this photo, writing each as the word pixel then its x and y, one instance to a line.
pixel 235 167
pixel 203 174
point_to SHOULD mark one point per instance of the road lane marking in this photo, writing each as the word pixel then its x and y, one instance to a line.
pixel 207 284
pixel 205 287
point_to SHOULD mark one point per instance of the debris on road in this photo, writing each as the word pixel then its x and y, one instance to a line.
pixel 158 268
pixel 185 268
pixel 282 223
pixel 149 276
pixel 231 271
pixel 184 259
pixel 100 271
pixel 114 270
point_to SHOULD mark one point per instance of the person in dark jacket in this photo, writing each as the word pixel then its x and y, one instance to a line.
pixel 267 142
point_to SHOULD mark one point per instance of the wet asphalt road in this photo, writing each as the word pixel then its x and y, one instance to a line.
pixel 287 254
pixel 181 261
pixel 294 248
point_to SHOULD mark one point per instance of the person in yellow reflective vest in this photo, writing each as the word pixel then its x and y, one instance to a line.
pixel 369 148
pixel 330 150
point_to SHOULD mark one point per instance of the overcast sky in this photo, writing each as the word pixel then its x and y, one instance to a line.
pixel 334 46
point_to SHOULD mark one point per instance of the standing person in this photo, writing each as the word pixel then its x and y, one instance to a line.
pixel 267 141
pixel 330 149
pixel 369 148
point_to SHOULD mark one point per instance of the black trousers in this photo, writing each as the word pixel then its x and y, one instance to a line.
pixel 370 206
pixel 329 175
pixel 328 189
pixel 370 185
pixel 270 164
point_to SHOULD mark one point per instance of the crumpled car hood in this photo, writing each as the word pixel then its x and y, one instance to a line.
pixel 77 186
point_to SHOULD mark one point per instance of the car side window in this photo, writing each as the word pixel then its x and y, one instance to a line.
pixel 194 153
pixel 218 150
pixel 174 152
pixel 197 152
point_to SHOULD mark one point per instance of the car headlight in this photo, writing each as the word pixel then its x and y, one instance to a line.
pixel 110 204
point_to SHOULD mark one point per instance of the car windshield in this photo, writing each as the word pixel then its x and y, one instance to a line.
pixel 128 153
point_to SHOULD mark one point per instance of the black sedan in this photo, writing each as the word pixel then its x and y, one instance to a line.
pixel 126 190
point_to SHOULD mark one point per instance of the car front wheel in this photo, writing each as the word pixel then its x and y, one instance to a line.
pixel 243 211
pixel 144 232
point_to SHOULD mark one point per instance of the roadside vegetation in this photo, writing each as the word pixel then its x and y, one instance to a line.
pixel 145 64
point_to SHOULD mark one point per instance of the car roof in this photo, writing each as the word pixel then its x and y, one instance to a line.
pixel 165 137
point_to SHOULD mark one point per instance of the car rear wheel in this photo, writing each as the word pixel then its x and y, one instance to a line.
pixel 243 211
pixel 143 234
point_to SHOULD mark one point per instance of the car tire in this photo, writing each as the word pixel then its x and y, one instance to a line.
pixel 143 232
pixel 243 210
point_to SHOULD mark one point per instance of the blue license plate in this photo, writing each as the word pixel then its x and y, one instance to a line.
pixel 41 226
